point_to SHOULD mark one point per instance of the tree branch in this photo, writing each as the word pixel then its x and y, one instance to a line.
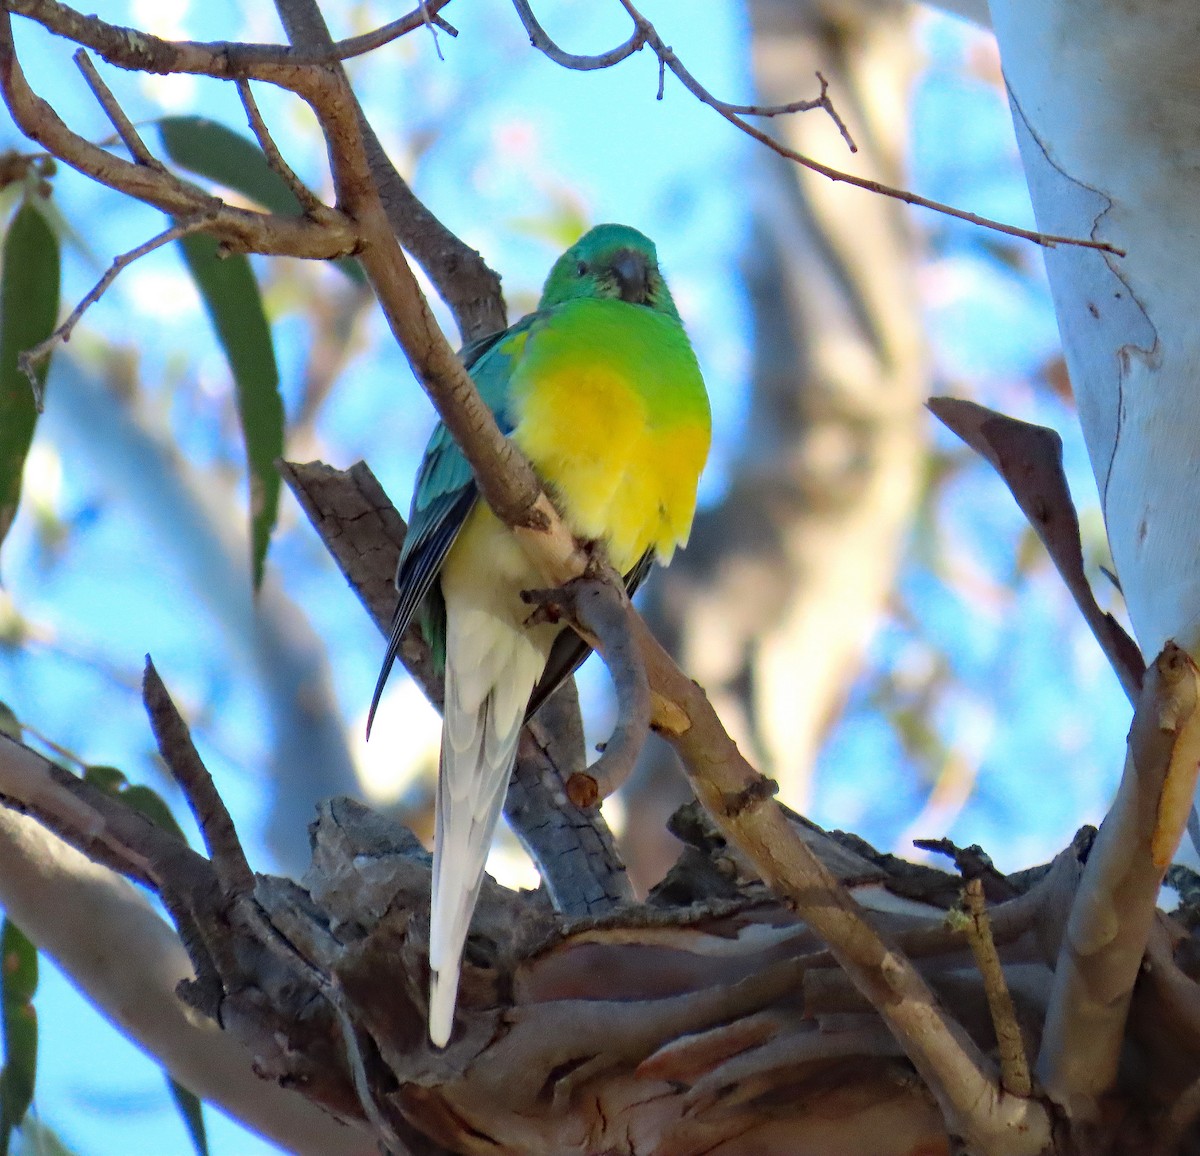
pixel 1113 912
pixel 105 935
pixel 960 1076
pixel 241 229
pixel 179 753
pixel 572 846
pixel 600 612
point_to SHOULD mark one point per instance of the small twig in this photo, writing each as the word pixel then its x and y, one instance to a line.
pixel 971 863
pixel 432 30
pixel 651 38
pixel 115 113
pixel 546 46
pixel 330 986
pixel 309 201
pixel 1014 1063
pixel 29 358
pixel 601 610
pixel 425 14
pixel 180 754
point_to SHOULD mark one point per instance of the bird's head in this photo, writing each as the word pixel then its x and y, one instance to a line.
pixel 611 261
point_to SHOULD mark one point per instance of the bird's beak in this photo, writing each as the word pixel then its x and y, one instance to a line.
pixel 633 276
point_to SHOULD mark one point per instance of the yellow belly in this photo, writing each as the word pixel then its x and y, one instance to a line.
pixel 608 404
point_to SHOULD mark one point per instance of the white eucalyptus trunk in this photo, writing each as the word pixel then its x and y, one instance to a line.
pixel 1106 101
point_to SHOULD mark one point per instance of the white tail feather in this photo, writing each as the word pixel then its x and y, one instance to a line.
pixel 484 712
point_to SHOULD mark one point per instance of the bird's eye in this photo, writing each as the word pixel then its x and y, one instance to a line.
pixel 582 268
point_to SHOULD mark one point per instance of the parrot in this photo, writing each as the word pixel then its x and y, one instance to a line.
pixel 601 390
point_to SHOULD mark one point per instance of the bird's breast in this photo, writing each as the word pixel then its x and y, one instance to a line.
pixel 609 406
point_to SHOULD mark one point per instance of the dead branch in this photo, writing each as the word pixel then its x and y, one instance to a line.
pixel 1113 913
pixel 115 113
pixel 1014 1064
pixel 180 754
pixel 312 205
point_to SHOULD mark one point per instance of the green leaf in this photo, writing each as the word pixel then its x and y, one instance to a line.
pixel 191 1108
pixel 227 158
pixel 28 311
pixel 9 723
pixel 19 973
pixel 235 308
pixel 210 149
pixel 142 799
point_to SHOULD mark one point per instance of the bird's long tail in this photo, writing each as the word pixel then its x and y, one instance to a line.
pixel 491 668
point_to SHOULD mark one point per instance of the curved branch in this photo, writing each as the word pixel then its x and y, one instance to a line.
pixel 132 48
pixel 672 62
pixel 601 613
pixel 544 44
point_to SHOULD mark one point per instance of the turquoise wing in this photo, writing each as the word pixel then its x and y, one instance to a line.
pixel 444 495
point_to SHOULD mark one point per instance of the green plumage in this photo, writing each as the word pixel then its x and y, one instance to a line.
pixel 601 390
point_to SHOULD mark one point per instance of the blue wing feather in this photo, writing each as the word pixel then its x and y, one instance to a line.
pixel 444 495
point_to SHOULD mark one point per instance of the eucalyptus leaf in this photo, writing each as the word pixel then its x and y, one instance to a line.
pixel 234 305
pixel 29 287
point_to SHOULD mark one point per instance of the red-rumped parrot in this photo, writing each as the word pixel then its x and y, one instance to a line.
pixel 602 392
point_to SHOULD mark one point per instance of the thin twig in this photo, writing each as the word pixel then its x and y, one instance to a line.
pixel 115 113
pixel 651 38
pixel 309 201
pixel 823 100
pixel 384 1132
pixel 426 14
pixel 29 358
pixel 180 754
pixel 1014 1063
pixel 543 43
pixel 645 35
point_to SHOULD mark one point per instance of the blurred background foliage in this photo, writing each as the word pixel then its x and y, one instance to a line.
pixel 972 703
